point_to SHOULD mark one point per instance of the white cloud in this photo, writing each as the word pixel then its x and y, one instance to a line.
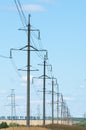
pixel 27 7
pixel 36 101
pixel 3 91
pixel 37 82
pixel 39 101
pixel 20 97
pixel 82 86
pixel 24 80
pixel 47 1
pixel 34 82
pixel 52 2
pixel 23 84
pixel 33 7
pixel 8 8
pixel 69 98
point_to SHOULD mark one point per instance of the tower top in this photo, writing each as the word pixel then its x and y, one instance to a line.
pixel 29 19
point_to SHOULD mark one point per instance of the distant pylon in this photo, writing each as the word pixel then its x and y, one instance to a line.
pixel 13 105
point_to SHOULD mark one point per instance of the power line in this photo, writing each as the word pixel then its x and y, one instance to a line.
pixel 39 55
pixel 20 11
pixel 23 20
pixel 4 57
pixel 40 46
pixel 15 68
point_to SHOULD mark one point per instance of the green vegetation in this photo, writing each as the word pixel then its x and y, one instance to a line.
pixel 12 124
pixel 64 127
pixel 79 126
pixel 82 123
pixel 3 125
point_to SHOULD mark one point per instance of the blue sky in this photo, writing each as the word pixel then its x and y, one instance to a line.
pixel 62 26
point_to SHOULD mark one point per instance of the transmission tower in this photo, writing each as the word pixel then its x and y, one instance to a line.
pixel 57 102
pixel 44 77
pixel 28 49
pixel 13 105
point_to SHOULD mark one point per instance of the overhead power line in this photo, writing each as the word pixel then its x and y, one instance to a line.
pixel 21 13
pixel 2 56
pixel 32 47
pixel 15 68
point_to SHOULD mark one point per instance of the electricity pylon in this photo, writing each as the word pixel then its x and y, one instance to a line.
pixel 28 49
pixel 13 105
pixel 44 77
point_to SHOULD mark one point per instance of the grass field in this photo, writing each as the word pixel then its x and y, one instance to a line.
pixel 40 127
pixel 23 122
pixel 47 127
pixel 32 122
